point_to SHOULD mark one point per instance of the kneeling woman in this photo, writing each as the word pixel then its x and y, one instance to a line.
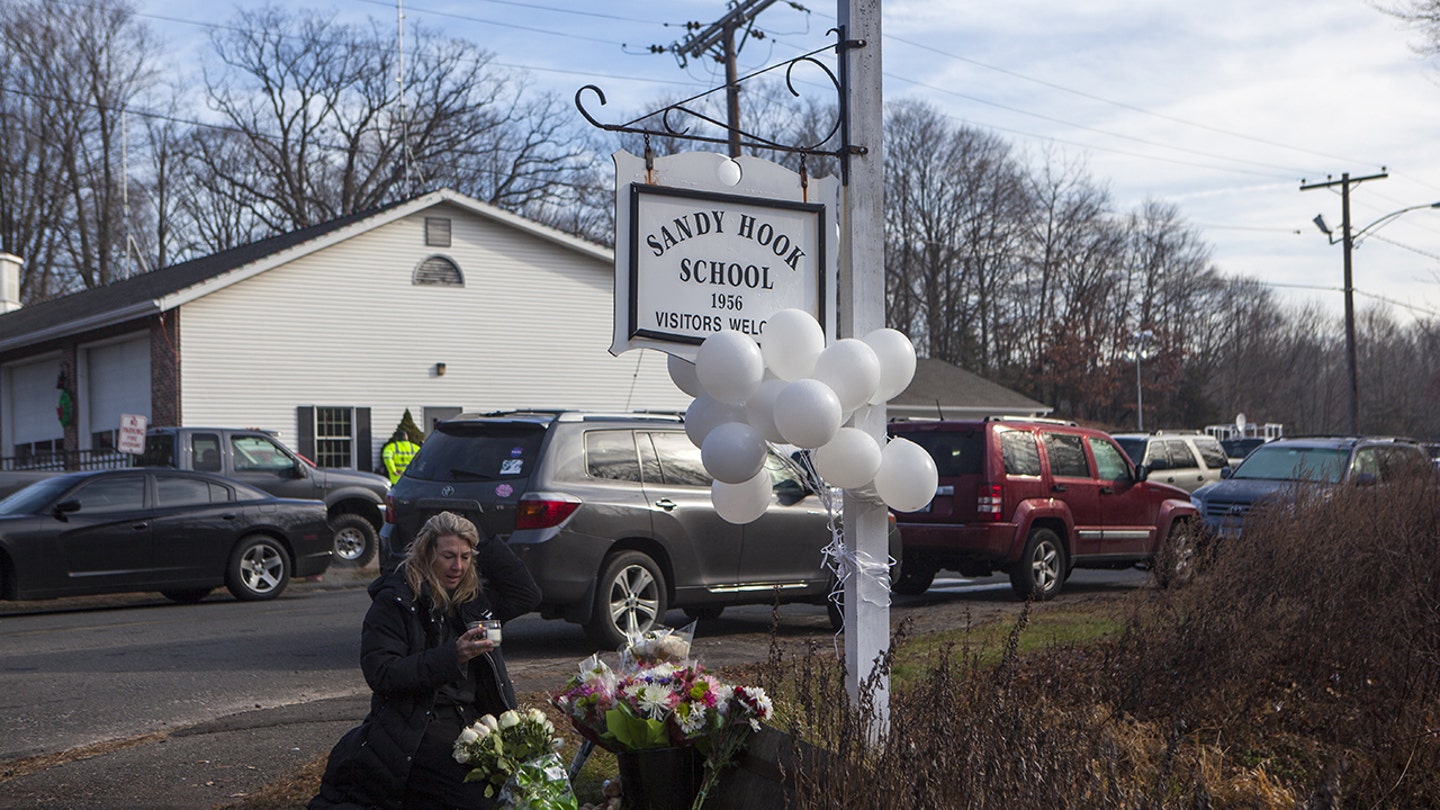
pixel 431 676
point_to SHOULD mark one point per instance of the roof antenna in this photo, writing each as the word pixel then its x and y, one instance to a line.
pixel 939 411
pixel 400 82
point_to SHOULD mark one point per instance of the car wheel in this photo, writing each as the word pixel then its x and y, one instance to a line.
pixel 355 541
pixel 1178 561
pixel 1041 570
pixel 629 598
pixel 914 577
pixel 706 613
pixel 188 596
pixel 259 569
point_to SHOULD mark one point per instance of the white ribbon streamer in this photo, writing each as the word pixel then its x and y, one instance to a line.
pixel 872 575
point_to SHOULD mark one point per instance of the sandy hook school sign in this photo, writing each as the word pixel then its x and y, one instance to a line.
pixel 705 243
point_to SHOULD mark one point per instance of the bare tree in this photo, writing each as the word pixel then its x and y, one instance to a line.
pixel 70 71
pixel 955 210
pixel 1423 15
pixel 316 129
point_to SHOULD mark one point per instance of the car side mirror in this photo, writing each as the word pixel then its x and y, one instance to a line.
pixel 64 508
pixel 1226 472
pixel 1142 472
pixel 1367 479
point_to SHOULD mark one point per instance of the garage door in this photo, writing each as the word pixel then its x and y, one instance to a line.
pixel 117 382
pixel 33 398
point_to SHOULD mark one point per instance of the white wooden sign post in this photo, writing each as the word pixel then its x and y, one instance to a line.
pixel 862 309
pixel 705 243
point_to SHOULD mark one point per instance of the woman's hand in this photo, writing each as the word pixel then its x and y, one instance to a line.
pixel 473 643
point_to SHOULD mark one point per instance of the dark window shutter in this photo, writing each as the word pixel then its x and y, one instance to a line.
pixel 364 458
pixel 305 431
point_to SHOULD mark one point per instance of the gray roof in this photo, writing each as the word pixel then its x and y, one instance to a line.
pixel 941 390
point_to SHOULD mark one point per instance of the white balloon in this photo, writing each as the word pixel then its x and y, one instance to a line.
pixel 791 341
pixel 760 410
pixel 851 368
pixel 897 362
pixel 729 366
pixel 807 413
pixel 907 477
pixel 743 502
pixel 733 452
pixel 682 373
pixel 705 414
pixel 849 460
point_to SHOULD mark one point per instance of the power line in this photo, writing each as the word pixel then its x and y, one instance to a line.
pixel 1112 102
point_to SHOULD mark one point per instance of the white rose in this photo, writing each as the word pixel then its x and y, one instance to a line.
pixel 488 723
pixel 469 735
pixel 509 719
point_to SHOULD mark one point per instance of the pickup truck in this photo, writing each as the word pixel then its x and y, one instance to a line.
pixel 354 501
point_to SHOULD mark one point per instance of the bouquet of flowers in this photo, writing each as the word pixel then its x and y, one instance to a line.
pixel 660 645
pixel 516 756
pixel 664 705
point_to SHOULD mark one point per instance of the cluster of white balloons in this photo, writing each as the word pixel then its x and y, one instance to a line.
pixel 798 391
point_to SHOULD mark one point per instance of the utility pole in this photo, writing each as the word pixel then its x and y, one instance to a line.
pixel 722 33
pixel 1345 182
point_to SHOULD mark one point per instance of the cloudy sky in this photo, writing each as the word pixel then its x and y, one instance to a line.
pixel 1222 108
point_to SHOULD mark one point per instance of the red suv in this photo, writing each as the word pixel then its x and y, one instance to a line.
pixel 1034 498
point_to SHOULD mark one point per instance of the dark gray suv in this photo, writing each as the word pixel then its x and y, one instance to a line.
pixel 612 515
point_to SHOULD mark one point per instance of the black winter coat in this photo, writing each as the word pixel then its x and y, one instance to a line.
pixel 405 664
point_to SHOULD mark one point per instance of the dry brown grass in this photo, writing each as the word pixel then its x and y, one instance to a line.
pixel 1300 668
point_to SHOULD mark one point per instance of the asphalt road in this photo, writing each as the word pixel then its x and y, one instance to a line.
pixel 228 692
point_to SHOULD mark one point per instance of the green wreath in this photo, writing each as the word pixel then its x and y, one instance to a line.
pixel 65 411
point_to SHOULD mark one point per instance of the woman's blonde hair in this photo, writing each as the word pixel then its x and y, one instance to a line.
pixel 420 558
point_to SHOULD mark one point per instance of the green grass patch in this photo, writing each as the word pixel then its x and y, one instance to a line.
pixel 984 645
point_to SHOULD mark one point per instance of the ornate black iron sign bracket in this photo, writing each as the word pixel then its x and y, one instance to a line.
pixel 672 119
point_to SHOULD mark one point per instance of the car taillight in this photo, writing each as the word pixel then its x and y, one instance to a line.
pixel 389 508
pixel 988 502
pixel 543 511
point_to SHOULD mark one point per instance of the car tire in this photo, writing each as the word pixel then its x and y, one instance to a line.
pixel 629 598
pixel 1178 560
pixel 187 596
pixel 914 577
pixel 259 569
pixel 355 541
pixel 1041 569
pixel 705 613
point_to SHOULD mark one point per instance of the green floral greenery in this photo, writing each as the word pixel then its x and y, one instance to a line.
pixel 633 732
pixel 514 755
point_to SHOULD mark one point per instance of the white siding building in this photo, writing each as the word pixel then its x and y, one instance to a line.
pixel 439 304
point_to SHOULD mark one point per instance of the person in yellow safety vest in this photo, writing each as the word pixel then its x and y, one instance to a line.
pixel 397 454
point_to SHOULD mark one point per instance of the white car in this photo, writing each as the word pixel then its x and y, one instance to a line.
pixel 1187 459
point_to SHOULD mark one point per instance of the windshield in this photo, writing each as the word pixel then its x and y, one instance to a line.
pixel 1324 465
pixel 1134 448
pixel 477 451
pixel 956 453
pixel 37 496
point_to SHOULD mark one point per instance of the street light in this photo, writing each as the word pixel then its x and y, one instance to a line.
pixel 1351 241
pixel 1141 340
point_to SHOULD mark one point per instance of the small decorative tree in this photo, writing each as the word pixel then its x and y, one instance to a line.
pixel 410 429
